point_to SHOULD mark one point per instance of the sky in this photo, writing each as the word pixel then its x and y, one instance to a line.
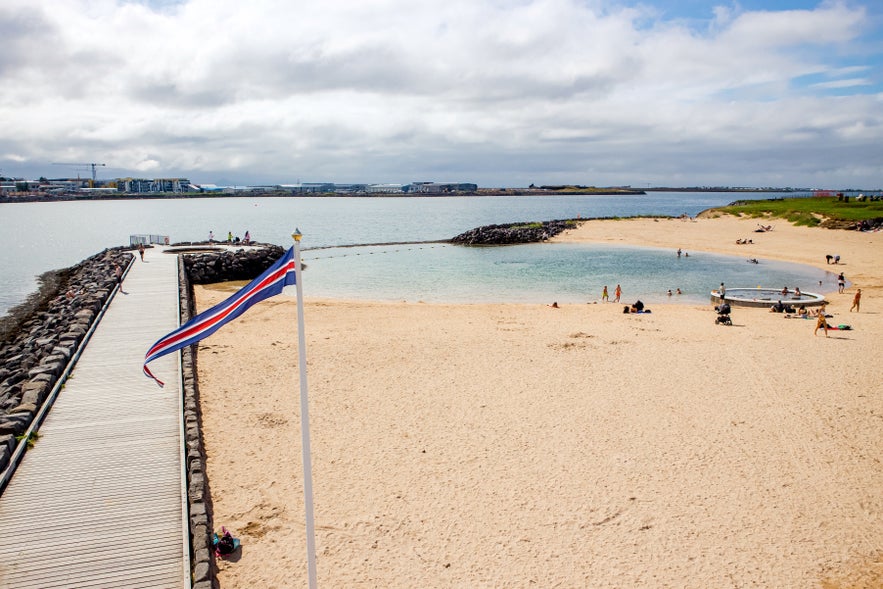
pixel 501 93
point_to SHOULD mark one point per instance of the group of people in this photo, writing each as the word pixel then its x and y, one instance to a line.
pixel 605 296
pixel 230 239
pixel 835 259
pixel 686 255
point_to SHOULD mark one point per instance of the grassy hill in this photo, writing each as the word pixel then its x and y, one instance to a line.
pixel 813 212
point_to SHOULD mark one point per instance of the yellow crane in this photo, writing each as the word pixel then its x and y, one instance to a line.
pixel 90 164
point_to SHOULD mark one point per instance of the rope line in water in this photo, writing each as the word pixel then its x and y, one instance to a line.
pixel 362 253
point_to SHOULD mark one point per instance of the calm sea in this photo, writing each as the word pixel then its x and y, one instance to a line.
pixel 36 237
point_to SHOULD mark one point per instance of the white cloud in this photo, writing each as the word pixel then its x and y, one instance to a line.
pixel 494 91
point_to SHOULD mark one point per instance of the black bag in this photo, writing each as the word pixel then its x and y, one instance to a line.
pixel 225 544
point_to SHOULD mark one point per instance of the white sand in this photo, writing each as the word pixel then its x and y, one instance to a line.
pixel 524 446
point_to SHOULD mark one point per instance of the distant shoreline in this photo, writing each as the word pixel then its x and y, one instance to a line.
pixel 165 196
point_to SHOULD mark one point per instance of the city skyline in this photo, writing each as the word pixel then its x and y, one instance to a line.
pixel 501 93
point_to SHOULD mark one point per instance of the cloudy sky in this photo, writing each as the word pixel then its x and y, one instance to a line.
pixel 496 92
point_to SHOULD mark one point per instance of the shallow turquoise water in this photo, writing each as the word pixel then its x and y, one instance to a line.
pixel 538 273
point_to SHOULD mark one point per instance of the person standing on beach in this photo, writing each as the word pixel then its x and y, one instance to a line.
pixel 247 238
pixel 856 301
pixel 723 291
pixel 821 322
pixel 229 237
pixel 141 251
pixel 604 296
pixel 617 293
pixel 841 283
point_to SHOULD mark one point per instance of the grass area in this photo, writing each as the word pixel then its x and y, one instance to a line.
pixel 811 212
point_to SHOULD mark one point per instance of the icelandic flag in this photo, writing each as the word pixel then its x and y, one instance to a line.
pixel 268 284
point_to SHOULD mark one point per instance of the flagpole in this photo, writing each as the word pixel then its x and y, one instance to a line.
pixel 305 416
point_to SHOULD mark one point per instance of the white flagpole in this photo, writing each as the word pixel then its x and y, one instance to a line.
pixel 305 416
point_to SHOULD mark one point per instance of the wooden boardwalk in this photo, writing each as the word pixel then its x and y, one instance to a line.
pixel 100 500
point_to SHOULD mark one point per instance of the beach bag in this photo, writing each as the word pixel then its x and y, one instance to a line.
pixel 225 543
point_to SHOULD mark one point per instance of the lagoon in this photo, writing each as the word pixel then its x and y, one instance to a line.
pixel 37 237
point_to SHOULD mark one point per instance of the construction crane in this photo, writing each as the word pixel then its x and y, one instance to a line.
pixel 92 165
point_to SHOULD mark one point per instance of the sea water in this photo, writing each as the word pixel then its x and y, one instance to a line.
pixel 37 237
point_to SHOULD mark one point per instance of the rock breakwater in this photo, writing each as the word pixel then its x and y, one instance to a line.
pixel 207 267
pixel 512 233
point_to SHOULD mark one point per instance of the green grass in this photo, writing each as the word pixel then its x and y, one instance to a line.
pixel 807 211
pixel 29 440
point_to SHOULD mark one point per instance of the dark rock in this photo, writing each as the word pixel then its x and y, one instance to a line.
pixel 29 408
pixel 15 424
pixel 513 233
pixel 35 391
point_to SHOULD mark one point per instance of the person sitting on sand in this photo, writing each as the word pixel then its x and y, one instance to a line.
pixel 802 312
pixel 638 307
pixel 554 305
pixel 777 308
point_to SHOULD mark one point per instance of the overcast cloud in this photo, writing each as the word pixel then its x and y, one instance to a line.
pixel 497 92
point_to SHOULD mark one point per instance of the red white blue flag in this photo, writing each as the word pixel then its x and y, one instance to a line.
pixel 268 284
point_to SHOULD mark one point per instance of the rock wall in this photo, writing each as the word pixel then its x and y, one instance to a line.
pixel 220 266
pixel 514 233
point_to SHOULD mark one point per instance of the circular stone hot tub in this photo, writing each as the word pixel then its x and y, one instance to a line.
pixel 766 297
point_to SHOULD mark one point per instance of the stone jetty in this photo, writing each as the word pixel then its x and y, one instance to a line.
pixel 514 233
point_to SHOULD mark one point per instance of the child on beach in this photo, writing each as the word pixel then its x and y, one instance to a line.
pixel 604 296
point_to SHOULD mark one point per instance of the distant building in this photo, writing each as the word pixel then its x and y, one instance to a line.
pixel 143 185
pixel 385 188
pixel 442 187
pixel 307 187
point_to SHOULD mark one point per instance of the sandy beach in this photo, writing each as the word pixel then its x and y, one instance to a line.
pixel 524 446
